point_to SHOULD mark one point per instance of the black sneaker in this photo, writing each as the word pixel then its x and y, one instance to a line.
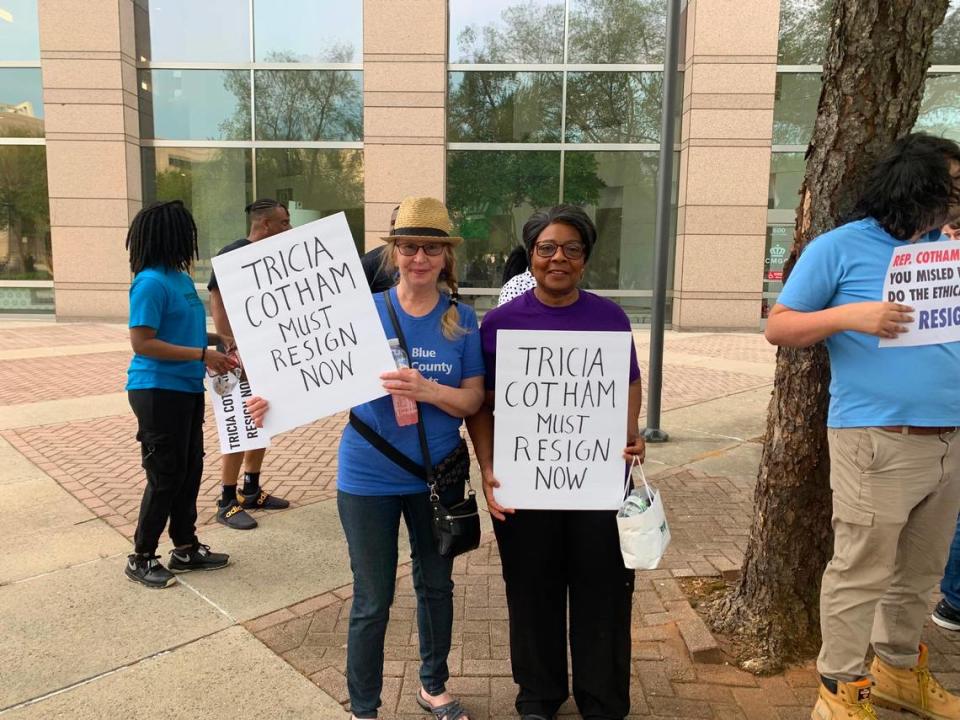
pixel 148 571
pixel 198 557
pixel 261 500
pixel 946 616
pixel 233 516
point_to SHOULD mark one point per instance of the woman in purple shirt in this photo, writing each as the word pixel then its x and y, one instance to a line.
pixel 547 554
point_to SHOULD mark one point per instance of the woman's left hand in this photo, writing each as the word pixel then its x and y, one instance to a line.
pixel 636 448
pixel 411 384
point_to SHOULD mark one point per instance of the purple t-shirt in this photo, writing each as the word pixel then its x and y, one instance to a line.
pixel 525 312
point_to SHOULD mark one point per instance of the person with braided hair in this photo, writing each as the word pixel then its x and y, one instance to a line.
pixel 168 334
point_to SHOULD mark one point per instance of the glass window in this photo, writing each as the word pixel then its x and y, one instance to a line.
pixel 804 29
pixel 19 31
pixel 21 102
pixel 946 40
pixel 617 31
pixel 308 31
pixel 613 107
pixel 24 214
pixel 491 194
pixel 618 190
pixel 786 176
pixel 309 104
pixel 795 108
pixel 940 108
pixel 195 104
pixel 191 31
pixel 214 183
pixel 506 31
pixel 314 183
pixel 504 107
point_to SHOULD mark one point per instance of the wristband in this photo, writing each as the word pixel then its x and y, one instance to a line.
pixel 203 354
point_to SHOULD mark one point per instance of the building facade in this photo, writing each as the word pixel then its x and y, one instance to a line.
pixel 500 107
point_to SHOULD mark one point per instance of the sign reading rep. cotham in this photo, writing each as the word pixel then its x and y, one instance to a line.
pixel 561 419
pixel 304 322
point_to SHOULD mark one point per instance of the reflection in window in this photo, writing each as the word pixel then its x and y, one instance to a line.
pixel 308 31
pixel 786 176
pixel 21 102
pixel 617 31
pixel 309 104
pixel 491 194
pixel 940 108
pixel 946 39
pixel 804 29
pixel 195 104
pixel 618 190
pixel 795 108
pixel 614 107
pixel 24 214
pixel 504 107
pixel 214 183
pixel 506 31
pixel 192 31
pixel 19 31
pixel 314 183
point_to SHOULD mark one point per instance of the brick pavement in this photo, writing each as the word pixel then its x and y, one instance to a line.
pixel 45 335
pixel 67 376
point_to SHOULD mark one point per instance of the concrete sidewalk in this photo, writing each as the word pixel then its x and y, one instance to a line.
pixel 265 638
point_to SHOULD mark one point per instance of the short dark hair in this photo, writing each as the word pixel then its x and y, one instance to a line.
pixel 570 215
pixel 162 234
pixel 909 189
pixel 259 208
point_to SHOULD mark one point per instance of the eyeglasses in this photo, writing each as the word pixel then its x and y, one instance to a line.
pixel 571 251
pixel 223 384
pixel 411 248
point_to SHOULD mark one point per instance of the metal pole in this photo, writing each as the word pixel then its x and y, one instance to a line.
pixel 653 433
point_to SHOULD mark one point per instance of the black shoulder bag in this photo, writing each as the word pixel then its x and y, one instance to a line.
pixel 456 529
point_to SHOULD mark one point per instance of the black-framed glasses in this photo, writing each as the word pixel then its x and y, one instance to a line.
pixel 571 251
pixel 411 248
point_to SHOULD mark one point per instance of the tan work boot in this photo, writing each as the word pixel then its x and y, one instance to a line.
pixel 852 702
pixel 914 690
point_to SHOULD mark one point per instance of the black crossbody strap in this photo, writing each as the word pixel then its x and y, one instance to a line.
pixel 392 454
pixel 428 465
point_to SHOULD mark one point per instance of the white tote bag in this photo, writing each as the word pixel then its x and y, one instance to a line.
pixel 644 537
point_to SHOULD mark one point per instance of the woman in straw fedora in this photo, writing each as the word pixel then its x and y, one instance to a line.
pixel 446 378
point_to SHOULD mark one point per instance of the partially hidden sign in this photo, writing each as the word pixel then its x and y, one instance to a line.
pixel 561 419
pixel 235 427
pixel 926 276
pixel 304 322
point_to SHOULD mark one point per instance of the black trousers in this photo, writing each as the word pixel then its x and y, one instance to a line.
pixel 170 431
pixel 546 555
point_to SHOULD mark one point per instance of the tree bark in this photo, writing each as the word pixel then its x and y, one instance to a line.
pixel 873 76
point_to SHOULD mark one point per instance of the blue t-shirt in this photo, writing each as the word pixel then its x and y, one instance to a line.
pixel 167 301
pixel 364 470
pixel 872 386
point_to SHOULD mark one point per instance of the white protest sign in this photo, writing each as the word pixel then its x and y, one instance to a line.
pixel 235 427
pixel 304 322
pixel 561 419
pixel 926 276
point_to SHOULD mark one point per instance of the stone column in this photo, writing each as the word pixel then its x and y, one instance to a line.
pixel 404 97
pixel 729 82
pixel 88 55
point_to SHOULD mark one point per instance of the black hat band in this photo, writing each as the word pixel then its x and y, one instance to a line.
pixel 424 231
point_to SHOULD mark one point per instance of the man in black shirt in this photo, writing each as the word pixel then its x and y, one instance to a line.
pixel 267 217
pixel 372 263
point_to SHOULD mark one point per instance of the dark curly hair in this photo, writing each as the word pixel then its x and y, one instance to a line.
pixel 162 235
pixel 566 214
pixel 910 189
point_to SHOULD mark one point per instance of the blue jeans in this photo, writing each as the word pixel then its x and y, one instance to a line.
pixel 371 524
pixel 950 585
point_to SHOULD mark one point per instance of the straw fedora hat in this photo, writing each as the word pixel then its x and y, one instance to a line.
pixel 423 218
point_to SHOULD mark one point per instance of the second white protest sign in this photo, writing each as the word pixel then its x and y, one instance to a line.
pixel 561 419
pixel 304 322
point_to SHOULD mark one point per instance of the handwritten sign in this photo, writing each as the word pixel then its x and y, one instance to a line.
pixel 561 419
pixel 304 322
pixel 235 427
pixel 926 276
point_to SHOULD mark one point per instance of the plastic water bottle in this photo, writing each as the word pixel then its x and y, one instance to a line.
pixel 637 502
pixel 405 409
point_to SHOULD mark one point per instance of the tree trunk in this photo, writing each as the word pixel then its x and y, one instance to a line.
pixel 873 77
